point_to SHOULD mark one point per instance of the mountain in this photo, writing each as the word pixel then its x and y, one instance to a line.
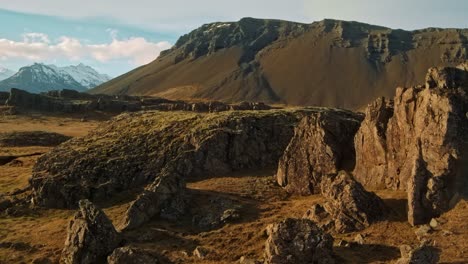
pixel 85 75
pixel 328 63
pixel 5 73
pixel 40 78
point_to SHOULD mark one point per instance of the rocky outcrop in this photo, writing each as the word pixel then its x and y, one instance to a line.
pixel 322 145
pixel 32 138
pixel 129 255
pixel 422 147
pixel 371 146
pixel 447 77
pixel 164 197
pixel 134 149
pixel 349 207
pixel 419 255
pixel 90 236
pixel 297 241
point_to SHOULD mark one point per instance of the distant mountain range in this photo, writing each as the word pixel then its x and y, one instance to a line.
pixel 326 63
pixel 41 78
pixel 5 73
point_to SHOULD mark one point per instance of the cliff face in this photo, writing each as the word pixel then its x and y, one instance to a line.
pixel 331 63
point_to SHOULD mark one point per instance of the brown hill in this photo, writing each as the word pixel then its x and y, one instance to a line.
pixel 332 63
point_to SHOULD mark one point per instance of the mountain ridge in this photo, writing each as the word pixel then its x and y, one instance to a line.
pixel 40 77
pixel 327 63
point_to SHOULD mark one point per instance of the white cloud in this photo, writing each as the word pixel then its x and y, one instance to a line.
pixel 38 47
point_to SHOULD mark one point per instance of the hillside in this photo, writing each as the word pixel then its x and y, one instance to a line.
pixel 332 63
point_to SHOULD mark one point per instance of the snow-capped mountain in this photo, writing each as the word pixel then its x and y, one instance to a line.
pixel 5 73
pixel 41 78
pixel 85 75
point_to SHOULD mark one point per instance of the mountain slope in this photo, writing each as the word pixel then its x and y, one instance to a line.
pixel 41 78
pixel 331 63
pixel 5 73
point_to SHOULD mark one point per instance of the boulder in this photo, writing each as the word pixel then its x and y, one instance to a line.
pixel 349 206
pixel 164 197
pixel 322 145
pixel 297 241
pixel 129 255
pixel 90 236
pixel 419 255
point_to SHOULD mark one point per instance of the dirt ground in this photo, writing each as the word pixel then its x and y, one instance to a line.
pixel 38 234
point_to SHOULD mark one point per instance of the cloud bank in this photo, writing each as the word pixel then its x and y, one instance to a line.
pixel 38 47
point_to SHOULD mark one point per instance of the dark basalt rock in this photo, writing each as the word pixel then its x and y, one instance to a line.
pixel 298 241
pixel 349 207
pixel 90 236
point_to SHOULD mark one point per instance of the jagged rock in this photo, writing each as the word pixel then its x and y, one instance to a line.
pixel 127 152
pixel 320 216
pixel 350 206
pixel 164 197
pixel 370 145
pixel 297 241
pixel 90 236
pixel 419 255
pixel 322 145
pixel 424 147
pixel 128 255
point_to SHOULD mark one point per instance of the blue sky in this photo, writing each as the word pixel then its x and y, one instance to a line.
pixel 115 36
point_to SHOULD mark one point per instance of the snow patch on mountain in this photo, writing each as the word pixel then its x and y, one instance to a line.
pixel 83 74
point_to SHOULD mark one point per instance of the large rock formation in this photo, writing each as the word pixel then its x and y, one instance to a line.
pixel 422 146
pixel 349 207
pixel 133 149
pixel 298 241
pixel 322 145
pixel 91 236
pixel 371 146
